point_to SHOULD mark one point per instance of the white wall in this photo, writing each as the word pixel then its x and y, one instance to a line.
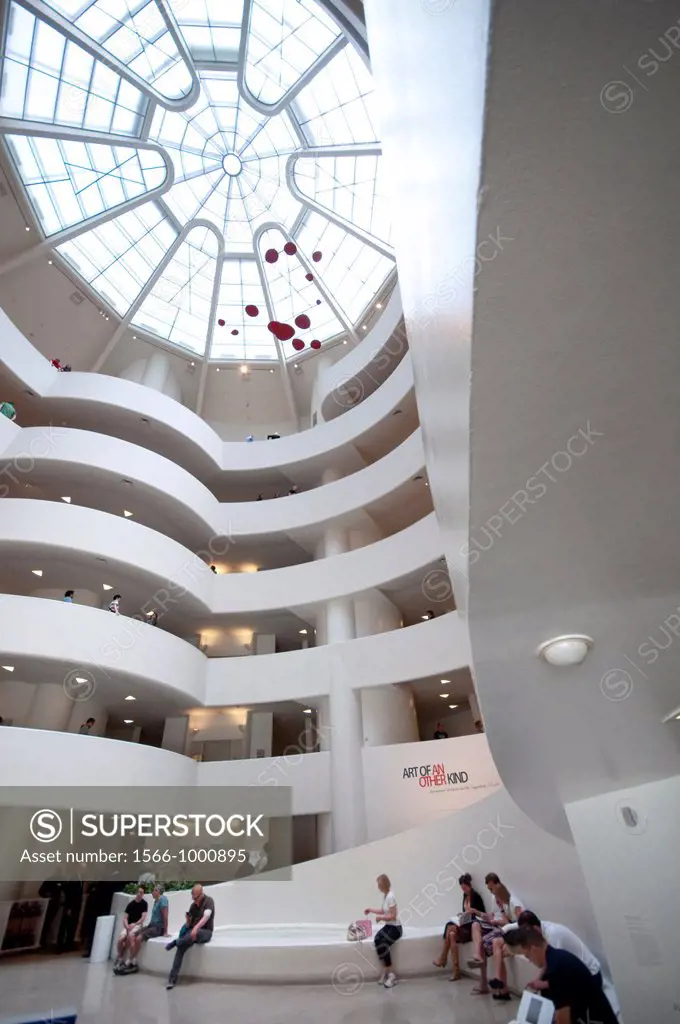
pixel 458 723
pixel 375 613
pixel 307 774
pixel 395 800
pixel 640 931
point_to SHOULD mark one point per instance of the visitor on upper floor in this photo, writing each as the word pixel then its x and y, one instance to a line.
pixel 273 437
pixel 440 732
pixel 213 568
pixel 489 939
pixel 7 409
pixel 62 367
pixel 293 490
pixel 200 924
pixel 68 596
pixel 459 928
pixel 390 932
pixel 479 725
pixel 152 617
pixel 114 606
pixel 87 727
pixel 429 614
pixel 574 990
pixel 260 497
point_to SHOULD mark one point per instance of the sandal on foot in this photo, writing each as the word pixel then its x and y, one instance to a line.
pixel 503 997
pixel 496 983
pixel 475 962
pixel 456 976
pixel 438 963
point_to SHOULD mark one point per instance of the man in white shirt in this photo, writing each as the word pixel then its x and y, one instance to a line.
pixel 559 937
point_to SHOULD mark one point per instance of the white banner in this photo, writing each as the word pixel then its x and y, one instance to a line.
pixel 408 784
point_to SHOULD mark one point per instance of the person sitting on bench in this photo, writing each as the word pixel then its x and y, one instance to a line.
pixel 199 928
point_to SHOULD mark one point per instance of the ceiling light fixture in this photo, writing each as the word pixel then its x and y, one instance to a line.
pixel 67 500
pixel 81 679
pixel 364 327
pixel 37 572
pixel 49 263
pixel 562 651
pixel 302 632
pixel 307 711
pixel 127 514
pixel 444 681
pixel 452 706
pixel 378 305
pixel 244 370
pixel 128 721
pixel 443 695
pixel 27 228
pixel 217 369
pixel 130 697
pixel 8 668
pixel 105 586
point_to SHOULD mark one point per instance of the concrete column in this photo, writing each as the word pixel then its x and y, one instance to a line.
pixel 389 716
pixel 259 731
pixel 264 643
pixel 175 734
pixel 51 708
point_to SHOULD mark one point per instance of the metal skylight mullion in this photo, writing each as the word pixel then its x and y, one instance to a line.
pixel 48 15
pixel 226 206
pixel 148 117
pixel 364 236
pixel 210 331
pixel 151 284
pixel 11 126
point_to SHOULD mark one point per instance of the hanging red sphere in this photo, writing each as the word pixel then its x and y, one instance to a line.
pixel 316 256
pixel 221 323
pixel 310 277
pixel 285 332
pixel 298 344
pixel 252 310
pixel 290 248
pixel 303 321
pixel 271 255
pixel 234 332
pixel 273 326
pixel 315 344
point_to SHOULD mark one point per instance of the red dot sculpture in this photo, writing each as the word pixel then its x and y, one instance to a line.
pixel 290 248
pixel 252 310
pixel 316 256
pixel 221 323
pixel 271 256
pixel 303 321
pixel 315 344
pixel 298 344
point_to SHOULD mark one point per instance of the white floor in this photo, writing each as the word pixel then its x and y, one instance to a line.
pixel 40 987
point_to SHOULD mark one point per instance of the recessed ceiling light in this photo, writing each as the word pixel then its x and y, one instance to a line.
pixel 67 500
pixel 345 341
pixel 50 262
pixel 27 228
pixel 10 668
pixel 378 305
pixel 244 370
pixel 296 366
pixel 425 618
pixel 128 721
pixel 106 318
pixel 127 514
pixel 444 695
pixel 37 572
pixel 677 717
pixel 130 697
pixel 364 327
pixel 307 711
pixel 271 371
pixel 452 706
pixel 134 337
pixel 302 632
pixel 105 586
pixel 444 681
pixel 81 679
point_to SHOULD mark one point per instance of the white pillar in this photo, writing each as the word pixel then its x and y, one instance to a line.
pixel 260 730
pixel 175 734
pixel 51 708
pixel 389 716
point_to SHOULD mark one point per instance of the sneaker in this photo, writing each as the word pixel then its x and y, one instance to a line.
pixel 170 984
pixel 381 979
pixel 390 981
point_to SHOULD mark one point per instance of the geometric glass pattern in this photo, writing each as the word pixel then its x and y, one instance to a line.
pixel 243 143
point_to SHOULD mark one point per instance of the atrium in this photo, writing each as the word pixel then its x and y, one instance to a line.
pixel 337 418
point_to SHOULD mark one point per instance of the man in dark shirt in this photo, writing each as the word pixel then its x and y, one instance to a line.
pixel 199 928
pixel 577 995
pixel 133 922
pixel 440 733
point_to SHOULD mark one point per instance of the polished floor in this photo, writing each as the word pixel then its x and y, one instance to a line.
pixel 40 987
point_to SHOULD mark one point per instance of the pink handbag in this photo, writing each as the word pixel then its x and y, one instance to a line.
pixel 367 927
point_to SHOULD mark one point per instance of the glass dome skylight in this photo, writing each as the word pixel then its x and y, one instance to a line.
pixel 166 145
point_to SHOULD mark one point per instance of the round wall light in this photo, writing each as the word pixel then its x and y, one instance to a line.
pixel 565 650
